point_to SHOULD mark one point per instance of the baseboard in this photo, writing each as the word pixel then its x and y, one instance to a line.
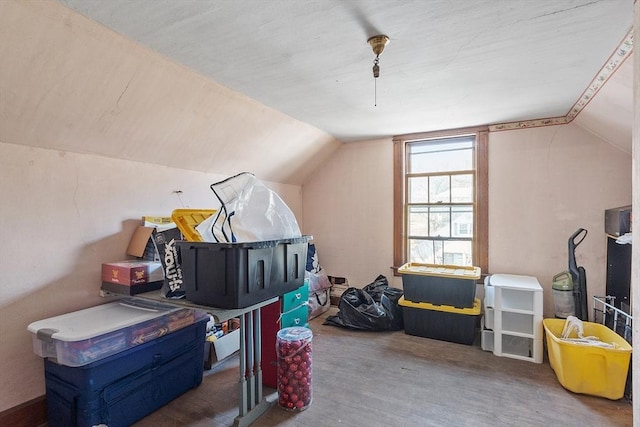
pixel 28 414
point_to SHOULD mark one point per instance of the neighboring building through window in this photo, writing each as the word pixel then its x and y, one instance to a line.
pixel 441 198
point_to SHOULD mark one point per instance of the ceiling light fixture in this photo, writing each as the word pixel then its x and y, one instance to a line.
pixel 377 44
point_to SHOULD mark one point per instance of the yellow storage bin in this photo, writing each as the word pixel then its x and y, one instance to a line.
pixel 588 369
pixel 452 285
pixel 188 219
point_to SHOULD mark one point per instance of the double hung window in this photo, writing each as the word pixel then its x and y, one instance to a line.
pixel 441 199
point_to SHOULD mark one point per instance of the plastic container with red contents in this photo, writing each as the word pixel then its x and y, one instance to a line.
pixel 294 352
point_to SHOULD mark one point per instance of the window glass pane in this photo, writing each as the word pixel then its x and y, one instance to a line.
pixel 418 221
pixel 440 221
pixel 425 251
pixel 440 200
pixel 439 189
pixel 440 155
pixel 462 221
pixel 462 188
pixel 418 189
pixel 457 252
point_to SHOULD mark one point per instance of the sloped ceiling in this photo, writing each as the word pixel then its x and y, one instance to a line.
pixel 219 86
pixel 609 114
pixel 449 63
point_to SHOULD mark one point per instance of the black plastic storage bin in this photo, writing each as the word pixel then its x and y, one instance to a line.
pixel 237 275
pixel 443 323
pixel 440 284
pixel 127 386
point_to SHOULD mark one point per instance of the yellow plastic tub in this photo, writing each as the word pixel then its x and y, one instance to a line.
pixel 588 369
pixel 452 285
pixel 188 219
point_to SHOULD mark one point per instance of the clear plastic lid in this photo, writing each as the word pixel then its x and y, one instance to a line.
pixel 295 333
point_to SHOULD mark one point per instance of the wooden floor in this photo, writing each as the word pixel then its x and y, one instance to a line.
pixel 393 379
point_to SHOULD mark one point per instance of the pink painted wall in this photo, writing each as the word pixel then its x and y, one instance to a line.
pixel 62 215
pixel 544 183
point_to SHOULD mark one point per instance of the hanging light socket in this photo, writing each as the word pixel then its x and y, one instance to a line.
pixel 378 43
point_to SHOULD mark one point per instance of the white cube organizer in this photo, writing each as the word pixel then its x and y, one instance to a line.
pixel 488 316
pixel 513 310
pixel 486 337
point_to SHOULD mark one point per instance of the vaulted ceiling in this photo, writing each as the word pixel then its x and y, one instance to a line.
pixel 448 64
pixel 276 86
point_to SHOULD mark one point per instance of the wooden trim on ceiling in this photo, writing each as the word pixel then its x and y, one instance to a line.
pixel 617 58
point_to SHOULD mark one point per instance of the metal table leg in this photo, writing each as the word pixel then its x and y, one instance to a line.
pixel 252 404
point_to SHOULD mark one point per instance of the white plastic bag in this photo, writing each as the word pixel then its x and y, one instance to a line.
pixel 249 212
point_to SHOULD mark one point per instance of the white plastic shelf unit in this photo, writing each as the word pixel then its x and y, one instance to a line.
pixel 516 304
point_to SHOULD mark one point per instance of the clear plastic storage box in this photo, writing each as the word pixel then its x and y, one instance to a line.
pixel 85 336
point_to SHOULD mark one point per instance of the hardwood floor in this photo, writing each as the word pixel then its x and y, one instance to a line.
pixel 392 379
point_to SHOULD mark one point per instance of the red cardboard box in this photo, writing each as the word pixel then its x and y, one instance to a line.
pixel 132 272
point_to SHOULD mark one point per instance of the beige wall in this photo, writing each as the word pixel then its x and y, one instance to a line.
pixel 544 183
pixel 347 207
pixel 63 214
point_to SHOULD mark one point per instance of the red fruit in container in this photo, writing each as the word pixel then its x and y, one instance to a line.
pixel 293 348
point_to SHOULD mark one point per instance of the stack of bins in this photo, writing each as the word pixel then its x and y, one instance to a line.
pixel 439 301
pixel 115 363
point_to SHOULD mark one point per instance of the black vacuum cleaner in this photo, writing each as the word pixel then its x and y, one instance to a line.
pixel 578 276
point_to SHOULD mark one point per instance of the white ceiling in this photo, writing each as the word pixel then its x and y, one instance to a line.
pixel 449 63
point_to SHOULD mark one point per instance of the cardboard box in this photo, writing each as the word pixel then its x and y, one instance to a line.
pixel 131 289
pixel 132 272
pixel 141 244
pixel 338 286
pixel 221 348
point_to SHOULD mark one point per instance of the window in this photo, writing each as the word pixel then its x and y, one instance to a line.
pixel 440 198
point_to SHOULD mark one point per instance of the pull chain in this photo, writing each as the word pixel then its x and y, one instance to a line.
pixel 376 74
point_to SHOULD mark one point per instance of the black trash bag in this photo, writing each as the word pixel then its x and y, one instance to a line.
pixel 389 301
pixel 373 308
pixel 377 287
pixel 388 297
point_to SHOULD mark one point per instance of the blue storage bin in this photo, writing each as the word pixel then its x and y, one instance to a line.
pixel 127 386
